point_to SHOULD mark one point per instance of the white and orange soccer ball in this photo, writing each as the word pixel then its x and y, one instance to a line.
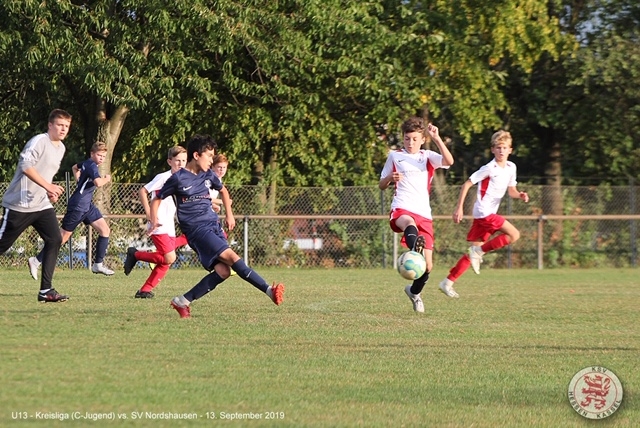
pixel 411 265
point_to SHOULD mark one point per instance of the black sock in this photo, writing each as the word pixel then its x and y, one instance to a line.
pixel 206 284
pixel 418 284
pixel 410 236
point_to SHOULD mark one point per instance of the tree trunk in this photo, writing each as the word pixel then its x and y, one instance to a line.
pixel 552 202
pixel 108 130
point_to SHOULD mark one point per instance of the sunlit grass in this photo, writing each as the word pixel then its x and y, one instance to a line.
pixel 345 349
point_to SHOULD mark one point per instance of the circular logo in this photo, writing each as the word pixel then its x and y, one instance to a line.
pixel 595 392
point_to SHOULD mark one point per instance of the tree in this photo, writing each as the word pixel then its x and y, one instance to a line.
pixel 297 92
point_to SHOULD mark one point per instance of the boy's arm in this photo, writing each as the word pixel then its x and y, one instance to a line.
pixel 101 181
pixel 143 193
pixel 458 214
pixel 76 172
pixel 447 157
pixel 515 194
pixel 391 177
pixel 153 215
pixel 228 213
pixel 53 190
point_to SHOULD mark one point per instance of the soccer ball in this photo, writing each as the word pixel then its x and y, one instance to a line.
pixel 411 265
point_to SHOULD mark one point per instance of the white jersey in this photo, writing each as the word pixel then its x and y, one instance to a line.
pixel 167 209
pixel 493 182
pixel 418 169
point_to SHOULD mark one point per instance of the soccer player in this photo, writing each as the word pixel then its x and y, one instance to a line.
pixel 190 189
pixel 219 167
pixel 29 197
pixel 411 170
pixel 164 237
pixel 494 180
pixel 81 209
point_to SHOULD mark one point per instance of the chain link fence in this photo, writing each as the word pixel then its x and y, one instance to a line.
pixel 348 227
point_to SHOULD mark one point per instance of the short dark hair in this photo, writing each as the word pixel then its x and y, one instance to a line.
pixel 199 143
pixel 58 113
pixel 413 124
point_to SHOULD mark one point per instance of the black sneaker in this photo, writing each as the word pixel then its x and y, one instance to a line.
pixel 419 245
pixel 52 296
pixel 144 295
pixel 130 261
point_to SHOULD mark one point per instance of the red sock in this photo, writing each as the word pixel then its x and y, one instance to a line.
pixel 460 267
pixel 497 242
pixel 181 241
pixel 156 276
pixel 146 256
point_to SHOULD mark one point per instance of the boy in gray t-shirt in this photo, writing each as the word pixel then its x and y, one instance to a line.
pixel 28 200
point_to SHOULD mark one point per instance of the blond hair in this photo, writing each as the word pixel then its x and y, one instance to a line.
pixel 98 146
pixel 501 137
pixel 175 151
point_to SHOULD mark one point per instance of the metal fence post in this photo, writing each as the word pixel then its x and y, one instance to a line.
pixel 509 250
pixel 541 220
pixel 245 225
pixel 633 225
pixel 384 231
pixel 67 180
pixel 89 246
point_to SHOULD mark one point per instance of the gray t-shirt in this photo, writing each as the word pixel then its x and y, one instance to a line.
pixel 24 195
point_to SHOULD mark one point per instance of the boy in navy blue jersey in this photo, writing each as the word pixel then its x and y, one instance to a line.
pixel 190 189
pixel 82 210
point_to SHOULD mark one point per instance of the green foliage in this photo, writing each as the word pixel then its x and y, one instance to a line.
pixel 297 92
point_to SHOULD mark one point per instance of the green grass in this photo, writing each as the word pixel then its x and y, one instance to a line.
pixel 345 349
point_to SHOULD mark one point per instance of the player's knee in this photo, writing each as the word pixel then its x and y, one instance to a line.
pixel 169 258
pixel 223 270
pixel 514 236
pixel 55 240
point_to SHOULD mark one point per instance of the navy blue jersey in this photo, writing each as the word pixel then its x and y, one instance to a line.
pixel 193 200
pixel 81 198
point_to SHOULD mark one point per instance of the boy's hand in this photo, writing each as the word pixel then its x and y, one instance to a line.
pixel 52 197
pixel 231 222
pixel 524 196
pixel 458 215
pixel 395 177
pixel 433 131
pixel 54 189
pixel 152 226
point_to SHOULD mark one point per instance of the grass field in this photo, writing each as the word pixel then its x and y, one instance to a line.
pixel 344 349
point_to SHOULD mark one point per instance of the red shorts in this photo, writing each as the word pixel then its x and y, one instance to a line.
pixel 164 243
pixel 483 228
pixel 424 225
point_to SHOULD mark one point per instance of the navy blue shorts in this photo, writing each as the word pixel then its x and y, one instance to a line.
pixel 208 244
pixel 73 218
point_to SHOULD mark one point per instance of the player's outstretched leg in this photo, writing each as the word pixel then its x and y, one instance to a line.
pixel 276 293
pixel 182 305
pixel 130 261
pixel 446 286
pixel 34 265
pixel 475 255
pixel 51 295
pixel 416 300
pixel 419 246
